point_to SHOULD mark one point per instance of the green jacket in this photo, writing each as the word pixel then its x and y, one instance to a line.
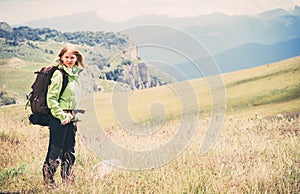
pixel 67 101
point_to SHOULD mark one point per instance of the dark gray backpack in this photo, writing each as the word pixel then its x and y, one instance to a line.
pixel 37 97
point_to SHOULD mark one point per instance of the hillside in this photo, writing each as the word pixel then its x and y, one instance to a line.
pixel 270 89
pixel 108 56
pixel 257 149
pixel 28 43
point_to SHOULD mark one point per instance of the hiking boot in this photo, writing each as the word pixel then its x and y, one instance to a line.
pixel 51 185
pixel 48 173
pixel 67 173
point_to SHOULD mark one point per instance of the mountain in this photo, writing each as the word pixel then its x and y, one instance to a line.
pixel 85 21
pixel 218 32
pixel 246 56
pixel 233 31
pixel 236 42
pixel 255 54
pixel 296 11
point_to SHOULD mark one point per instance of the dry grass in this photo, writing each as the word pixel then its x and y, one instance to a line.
pixel 251 155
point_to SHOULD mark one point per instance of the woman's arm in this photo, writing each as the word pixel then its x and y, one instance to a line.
pixel 53 97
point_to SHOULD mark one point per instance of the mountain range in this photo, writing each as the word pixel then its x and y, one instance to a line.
pixel 246 56
pixel 235 42
pixel 217 31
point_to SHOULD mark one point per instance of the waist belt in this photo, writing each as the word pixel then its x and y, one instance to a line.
pixel 75 111
pixel 68 111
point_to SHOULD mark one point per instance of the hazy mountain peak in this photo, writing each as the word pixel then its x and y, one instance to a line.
pixel 5 27
pixel 75 22
pixel 273 14
pixel 296 11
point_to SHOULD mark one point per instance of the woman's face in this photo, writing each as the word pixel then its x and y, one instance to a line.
pixel 69 59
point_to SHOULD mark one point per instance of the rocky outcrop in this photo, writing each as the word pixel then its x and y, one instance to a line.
pixel 5 99
pixel 128 68
pixel 125 69
pixel 88 79
pixel 5 27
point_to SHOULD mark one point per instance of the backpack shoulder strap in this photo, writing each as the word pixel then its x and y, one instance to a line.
pixel 65 81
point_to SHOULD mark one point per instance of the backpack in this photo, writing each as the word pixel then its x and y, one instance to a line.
pixel 37 98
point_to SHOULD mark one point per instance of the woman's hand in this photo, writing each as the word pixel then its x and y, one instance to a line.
pixel 66 121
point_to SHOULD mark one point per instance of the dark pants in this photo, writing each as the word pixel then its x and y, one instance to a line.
pixel 61 147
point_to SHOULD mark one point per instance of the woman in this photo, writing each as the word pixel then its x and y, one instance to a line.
pixel 62 125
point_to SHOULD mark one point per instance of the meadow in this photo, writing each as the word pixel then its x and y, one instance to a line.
pixel 257 150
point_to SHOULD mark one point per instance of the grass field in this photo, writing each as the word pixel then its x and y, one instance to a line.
pixel 257 151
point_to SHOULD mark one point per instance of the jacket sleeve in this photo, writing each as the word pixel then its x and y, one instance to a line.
pixel 53 97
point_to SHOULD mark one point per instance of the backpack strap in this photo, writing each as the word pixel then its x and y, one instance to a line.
pixel 27 97
pixel 65 81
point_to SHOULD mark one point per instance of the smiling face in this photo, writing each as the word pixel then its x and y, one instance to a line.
pixel 69 59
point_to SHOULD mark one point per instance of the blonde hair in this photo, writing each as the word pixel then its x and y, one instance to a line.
pixel 75 51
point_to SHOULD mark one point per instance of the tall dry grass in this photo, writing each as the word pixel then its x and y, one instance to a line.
pixel 251 155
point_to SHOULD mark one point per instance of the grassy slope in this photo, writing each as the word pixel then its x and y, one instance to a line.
pixel 28 53
pixel 17 76
pixel 252 155
pixel 267 90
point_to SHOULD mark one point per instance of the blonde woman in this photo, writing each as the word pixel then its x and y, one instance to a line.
pixel 62 125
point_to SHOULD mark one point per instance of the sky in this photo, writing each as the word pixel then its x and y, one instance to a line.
pixel 20 11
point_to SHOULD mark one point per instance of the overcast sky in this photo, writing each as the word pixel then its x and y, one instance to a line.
pixel 19 11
